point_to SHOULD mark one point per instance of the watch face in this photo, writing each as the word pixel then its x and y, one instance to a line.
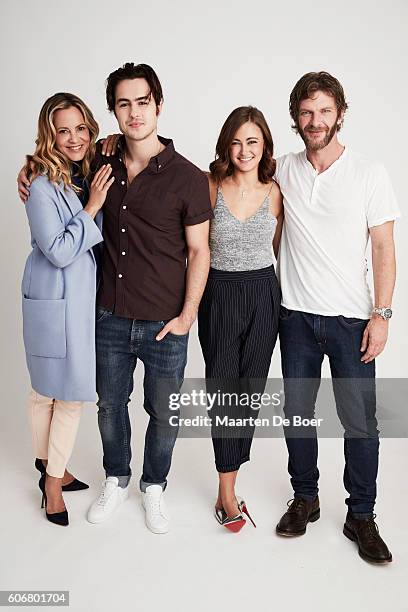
pixel 387 313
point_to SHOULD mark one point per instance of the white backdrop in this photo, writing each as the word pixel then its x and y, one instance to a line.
pixel 210 57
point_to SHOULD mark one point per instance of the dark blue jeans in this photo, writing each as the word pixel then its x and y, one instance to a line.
pixel 304 340
pixel 120 343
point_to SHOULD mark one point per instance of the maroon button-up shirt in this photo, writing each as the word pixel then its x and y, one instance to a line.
pixel 145 249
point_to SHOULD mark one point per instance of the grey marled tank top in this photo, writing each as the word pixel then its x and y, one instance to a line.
pixel 241 245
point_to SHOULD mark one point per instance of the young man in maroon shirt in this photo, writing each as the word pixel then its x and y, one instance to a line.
pixel 155 262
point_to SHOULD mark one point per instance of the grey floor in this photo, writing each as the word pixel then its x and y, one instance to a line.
pixel 198 565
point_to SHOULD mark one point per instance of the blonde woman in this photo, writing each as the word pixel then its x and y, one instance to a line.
pixel 59 286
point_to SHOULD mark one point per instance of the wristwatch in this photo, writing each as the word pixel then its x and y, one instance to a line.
pixel 385 313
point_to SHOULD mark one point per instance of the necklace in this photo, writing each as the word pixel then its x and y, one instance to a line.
pixel 243 192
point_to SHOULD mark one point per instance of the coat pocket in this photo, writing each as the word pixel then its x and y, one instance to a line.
pixel 44 328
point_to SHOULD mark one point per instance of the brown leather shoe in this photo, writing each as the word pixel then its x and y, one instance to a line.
pixel 299 514
pixel 371 547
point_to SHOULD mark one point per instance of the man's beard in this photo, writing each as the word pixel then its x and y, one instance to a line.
pixel 317 145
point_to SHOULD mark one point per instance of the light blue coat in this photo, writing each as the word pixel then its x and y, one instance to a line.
pixel 59 288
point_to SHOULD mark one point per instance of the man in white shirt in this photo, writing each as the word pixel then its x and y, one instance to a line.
pixel 334 200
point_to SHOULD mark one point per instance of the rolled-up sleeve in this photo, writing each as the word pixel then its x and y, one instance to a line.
pixel 197 204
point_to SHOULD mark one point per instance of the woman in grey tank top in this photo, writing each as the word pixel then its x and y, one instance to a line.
pixel 238 314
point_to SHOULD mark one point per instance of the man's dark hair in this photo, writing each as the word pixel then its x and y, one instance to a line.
pixel 308 85
pixel 133 71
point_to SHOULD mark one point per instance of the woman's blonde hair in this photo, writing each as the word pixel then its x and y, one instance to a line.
pixel 47 160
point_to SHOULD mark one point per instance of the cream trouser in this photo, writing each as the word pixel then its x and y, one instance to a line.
pixel 54 425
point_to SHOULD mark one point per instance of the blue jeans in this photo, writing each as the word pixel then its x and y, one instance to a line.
pixel 304 340
pixel 119 344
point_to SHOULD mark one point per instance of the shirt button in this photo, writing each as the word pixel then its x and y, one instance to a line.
pixel 123 252
pixel 159 166
pixel 123 182
pixel 124 207
pixel 120 275
pixel 123 229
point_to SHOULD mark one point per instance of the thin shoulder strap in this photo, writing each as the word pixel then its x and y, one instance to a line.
pixel 266 202
pixel 270 189
pixel 219 200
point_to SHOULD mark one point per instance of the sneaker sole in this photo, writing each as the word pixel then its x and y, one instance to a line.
pixel 294 534
pixel 97 522
pixel 351 536
pixel 157 531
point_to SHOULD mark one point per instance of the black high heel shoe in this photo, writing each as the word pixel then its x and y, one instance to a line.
pixel 75 485
pixel 58 518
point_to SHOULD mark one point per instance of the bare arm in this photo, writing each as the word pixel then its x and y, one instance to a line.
pixel 198 265
pixel 212 185
pixel 276 208
pixel 384 272
pixel 384 266
pixel 278 234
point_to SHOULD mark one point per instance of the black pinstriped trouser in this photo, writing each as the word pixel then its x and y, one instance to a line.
pixel 237 327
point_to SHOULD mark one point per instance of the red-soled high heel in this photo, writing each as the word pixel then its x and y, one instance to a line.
pixel 244 509
pixel 234 523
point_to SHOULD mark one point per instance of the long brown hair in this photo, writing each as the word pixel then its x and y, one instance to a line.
pixel 308 85
pixel 222 166
pixel 47 160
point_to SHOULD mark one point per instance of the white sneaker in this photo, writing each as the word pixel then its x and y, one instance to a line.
pixel 157 519
pixel 111 497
